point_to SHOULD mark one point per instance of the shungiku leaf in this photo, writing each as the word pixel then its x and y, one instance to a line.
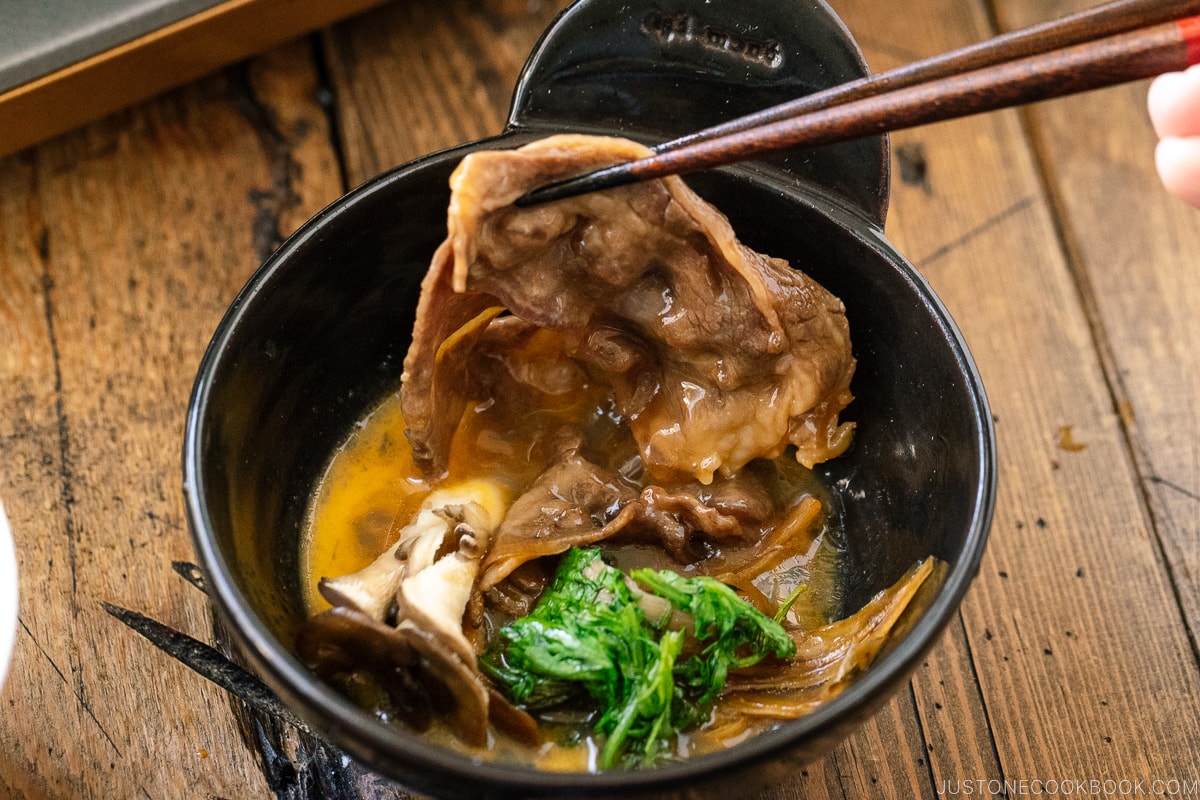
pixel 588 641
pixel 735 632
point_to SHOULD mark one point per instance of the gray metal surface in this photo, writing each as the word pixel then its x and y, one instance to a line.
pixel 38 37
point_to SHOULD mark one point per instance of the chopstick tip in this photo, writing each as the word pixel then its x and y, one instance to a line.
pixel 606 178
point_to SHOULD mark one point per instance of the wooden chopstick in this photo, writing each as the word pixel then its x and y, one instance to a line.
pixel 933 90
pixel 1107 19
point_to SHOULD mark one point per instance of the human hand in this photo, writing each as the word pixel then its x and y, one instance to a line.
pixel 1174 104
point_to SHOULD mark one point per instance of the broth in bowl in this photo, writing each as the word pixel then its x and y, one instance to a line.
pixel 586 534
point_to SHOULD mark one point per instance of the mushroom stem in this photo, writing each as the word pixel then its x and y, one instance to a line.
pixel 369 591
pixel 428 576
pixel 477 504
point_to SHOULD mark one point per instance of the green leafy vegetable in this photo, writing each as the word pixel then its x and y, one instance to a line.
pixel 589 641
pixel 790 601
pixel 736 633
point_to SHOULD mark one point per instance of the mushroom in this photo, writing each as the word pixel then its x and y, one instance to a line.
pixel 514 721
pixel 369 591
pixel 342 640
pixel 435 599
pixel 372 589
pixel 441 666
pixel 427 577
pixel 430 607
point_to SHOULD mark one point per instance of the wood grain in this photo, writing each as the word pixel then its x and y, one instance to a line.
pixel 123 244
pixel 1133 252
pixel 1072 578
pixel 1071 273
pixel 459 61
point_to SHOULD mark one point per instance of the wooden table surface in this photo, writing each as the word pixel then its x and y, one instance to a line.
pixel 1072 666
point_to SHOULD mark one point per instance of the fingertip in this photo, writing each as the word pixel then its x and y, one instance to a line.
pixel 1160 100
pixel 1173 101
pixel 1178 162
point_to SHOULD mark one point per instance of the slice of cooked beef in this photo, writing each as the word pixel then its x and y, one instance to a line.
pixel 684 518
pixel 436 384
pixel 577 503
pixel 717 355
pixel 574 503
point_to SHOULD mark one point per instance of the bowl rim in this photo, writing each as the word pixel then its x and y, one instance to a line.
pixel 368 739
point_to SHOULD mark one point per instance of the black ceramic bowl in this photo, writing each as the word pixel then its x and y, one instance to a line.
pixel 319 334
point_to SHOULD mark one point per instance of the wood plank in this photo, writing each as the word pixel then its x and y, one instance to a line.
pixel 122 245
pixel 413 78
pixel 1072 626
pixel 1134 250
